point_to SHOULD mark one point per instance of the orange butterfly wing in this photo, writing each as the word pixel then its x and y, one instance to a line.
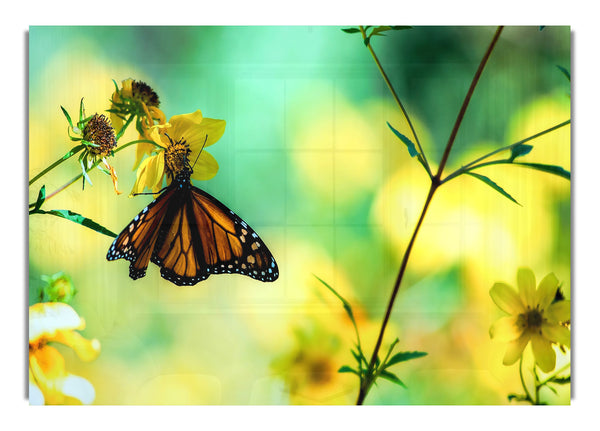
pixel 190 235
pixel 205 237
pixel 136 242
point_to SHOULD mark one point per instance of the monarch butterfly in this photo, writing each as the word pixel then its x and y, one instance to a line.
pixel 190 235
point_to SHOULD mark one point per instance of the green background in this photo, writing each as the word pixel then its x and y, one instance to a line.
pixel 308 161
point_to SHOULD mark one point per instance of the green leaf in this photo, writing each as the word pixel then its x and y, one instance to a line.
pixel 81 112
pixel 79 219
pixel 351 30
pixel 493 185
pixel 519 150
pixel 367 40
pixel 68 116
pixel 551 169
pixel 565 72
pixel 412 150
pixel 85 175
pixel 383 28
pixel 517 397
pixel 404 356
pixel 40 199
pixel 392 378
pixel 346 304
pixel 561 380
pixel 347 369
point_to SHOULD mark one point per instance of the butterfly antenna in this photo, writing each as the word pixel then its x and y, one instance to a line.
pixel 198 156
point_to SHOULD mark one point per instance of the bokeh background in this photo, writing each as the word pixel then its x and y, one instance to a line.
pixel 308 161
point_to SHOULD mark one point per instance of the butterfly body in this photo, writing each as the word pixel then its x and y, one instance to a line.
pixel 190 235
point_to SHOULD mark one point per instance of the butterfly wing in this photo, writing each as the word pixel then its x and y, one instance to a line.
pixel 202 237
pixel 136 242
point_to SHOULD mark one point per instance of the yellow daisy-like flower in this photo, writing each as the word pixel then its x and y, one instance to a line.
pixel 182 133
pixel 533 317
pixel 49 382
pixel 136 98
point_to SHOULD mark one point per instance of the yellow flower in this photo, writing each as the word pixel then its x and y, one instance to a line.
pixel 533 317
pixel 49 382
pixel 184 135
pixel 137 99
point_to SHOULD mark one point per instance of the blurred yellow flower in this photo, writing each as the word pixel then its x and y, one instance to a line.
pixel 310 369
pixel 49 382
pixel 533 317
pixel 184 134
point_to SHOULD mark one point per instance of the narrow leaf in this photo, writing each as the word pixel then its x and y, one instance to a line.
pixel 68 116
pixel 85 175
pixel 551 169
pixel 412 150
pixel 565 72
pixel 40 199
pixel 561 380
pixel 520 150
pixel 493 185
pixel 392 378
pixel 404 356
pixel 81 112
pixel 351 30
pixel 79 219
pixel 347 306
pixel 347 369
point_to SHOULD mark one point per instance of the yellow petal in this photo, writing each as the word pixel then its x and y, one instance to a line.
pixel 212 128
pixel 506 298
pixel 87 350
pixel 206 167
pixel 36 397
pixel 149 174
pixel 47 367
pixel 142 149
pixel 196 130
pixel 557 334
pixel 127 87
pixel 78 388
pixel 515 349
pixel 506 329
pixel 544 354
pixel 47 317
pixel 546 291
pixel 559 311
pixel 116 121
pixel 526 283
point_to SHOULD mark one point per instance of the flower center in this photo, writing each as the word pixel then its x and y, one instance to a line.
pixel 532 319
pixel 177 156
pixel 100 132
pixel 144 93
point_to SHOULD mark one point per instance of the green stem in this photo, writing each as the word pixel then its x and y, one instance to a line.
pixel 523 380
pixel 473 164
pixel 397 99
pixel 73 180
pixel 67 156
pixel 556 373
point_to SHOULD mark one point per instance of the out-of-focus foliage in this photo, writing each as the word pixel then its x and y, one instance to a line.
pixel 309 161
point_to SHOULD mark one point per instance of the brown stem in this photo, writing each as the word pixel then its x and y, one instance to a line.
pixel 435 183
pixel 365 388
pixel 463 108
